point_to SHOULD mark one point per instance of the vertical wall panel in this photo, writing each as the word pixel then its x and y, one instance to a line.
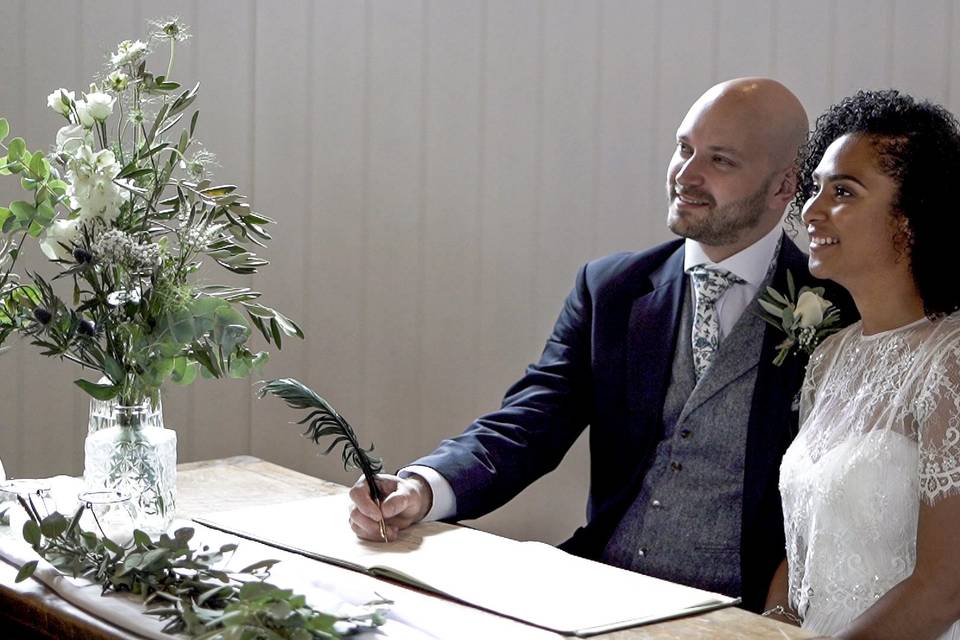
pixel 625 130
pixel 394 216
pixel 953 58
pixel 744 52
pixel 689 53
pixel 54 433
pixel 280 110
pixel 863 46
pixel 803 44
pixel 921 40
pixel 338 244
pixel 451 240
pixel 511 78
pixel 217 422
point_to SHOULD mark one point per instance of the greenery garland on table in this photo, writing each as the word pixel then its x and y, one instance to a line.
pixel 184 586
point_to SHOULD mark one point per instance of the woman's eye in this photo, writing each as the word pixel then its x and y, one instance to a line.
pixel 841 192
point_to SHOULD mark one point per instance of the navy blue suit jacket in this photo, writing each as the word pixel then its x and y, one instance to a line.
pixel 607 364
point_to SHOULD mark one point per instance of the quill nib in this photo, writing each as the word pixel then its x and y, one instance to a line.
pixel 383 527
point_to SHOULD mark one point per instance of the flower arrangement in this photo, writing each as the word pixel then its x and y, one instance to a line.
pixel 806 318
pixel 124 206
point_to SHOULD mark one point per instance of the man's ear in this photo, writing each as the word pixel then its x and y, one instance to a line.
pixel 786 187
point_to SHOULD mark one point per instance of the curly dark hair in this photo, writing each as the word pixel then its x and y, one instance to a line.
pixel 918 146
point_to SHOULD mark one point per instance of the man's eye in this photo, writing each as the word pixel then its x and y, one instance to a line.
pixel 684 148
pixel 723 160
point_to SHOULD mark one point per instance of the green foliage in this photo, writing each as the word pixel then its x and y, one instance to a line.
pixel 183 583
pixel 131 251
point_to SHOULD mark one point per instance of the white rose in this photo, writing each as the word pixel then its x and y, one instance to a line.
pixel 55 101
pixel 71 137
pixel 61 232
pixel 99 105
pixel 810 309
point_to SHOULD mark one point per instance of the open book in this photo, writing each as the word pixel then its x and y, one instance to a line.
pixel 528 581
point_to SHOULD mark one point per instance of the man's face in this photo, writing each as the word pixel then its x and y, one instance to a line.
pixel 719 182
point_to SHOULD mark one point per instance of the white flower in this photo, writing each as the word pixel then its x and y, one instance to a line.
pixel 55 101
pixel 118 80
pixel 127 52
pixel 92 187
pixel 58 234
pixel 810 308
pixel 71 137
pixel 99 105
pixel 83 110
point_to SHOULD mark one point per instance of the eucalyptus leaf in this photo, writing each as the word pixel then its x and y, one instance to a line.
pixel 4 129
pixel 53 525
pixel 16 149
pixel 98 391
pixel 26 570
pixel 31 532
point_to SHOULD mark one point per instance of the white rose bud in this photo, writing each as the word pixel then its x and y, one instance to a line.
pixel 71 137
pixel 83 110
pixel 100 105
pixel 810 309
pixel 55 101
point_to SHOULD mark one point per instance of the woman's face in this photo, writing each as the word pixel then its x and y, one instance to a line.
pixel 850 217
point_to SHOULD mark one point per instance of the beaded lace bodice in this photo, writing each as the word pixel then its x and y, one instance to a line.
pixel 880 431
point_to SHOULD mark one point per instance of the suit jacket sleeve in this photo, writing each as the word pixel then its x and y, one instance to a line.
pixel 542 415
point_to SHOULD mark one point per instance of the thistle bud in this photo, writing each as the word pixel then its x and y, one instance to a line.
pixel 87 328
pixel 42 316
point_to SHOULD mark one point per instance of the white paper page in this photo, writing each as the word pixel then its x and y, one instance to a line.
pixel 413 616
pixel 527 580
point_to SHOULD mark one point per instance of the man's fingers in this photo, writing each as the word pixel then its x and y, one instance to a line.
pixel 367 529
pixel 395 504
pixel 360 496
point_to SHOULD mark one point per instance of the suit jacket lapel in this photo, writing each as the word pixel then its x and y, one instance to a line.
pixel 771 426
pixel 739 352
pixel 654 320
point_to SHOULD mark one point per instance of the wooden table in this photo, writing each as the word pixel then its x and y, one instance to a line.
pixel 29 610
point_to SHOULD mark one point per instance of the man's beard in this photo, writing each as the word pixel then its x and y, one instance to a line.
pixel 722 225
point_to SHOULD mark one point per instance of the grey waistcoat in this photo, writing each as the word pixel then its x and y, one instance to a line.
pixel 684 525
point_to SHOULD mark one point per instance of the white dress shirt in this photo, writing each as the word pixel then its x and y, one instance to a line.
pixel 751 265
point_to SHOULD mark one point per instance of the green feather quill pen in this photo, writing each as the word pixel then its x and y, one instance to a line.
pixel 324 421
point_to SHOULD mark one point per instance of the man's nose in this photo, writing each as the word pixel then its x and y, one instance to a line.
pixel 688 173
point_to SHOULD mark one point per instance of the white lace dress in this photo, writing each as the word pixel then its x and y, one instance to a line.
pixel 880 431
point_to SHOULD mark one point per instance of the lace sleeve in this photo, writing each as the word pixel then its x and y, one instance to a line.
pixel 937 412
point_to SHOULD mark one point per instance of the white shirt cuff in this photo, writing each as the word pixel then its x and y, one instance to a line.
pixel 444 500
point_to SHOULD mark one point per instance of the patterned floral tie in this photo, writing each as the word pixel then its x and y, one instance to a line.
pixel 710 284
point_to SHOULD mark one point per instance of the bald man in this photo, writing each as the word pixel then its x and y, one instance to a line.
pixel 663 354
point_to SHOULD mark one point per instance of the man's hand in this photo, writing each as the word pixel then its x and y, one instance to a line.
pixel 407 501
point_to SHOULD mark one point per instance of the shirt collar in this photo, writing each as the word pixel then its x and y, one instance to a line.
pixel 751 263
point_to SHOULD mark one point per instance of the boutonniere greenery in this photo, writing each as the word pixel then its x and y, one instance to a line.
pixel 805 316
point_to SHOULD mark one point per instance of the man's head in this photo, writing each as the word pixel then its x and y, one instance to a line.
pixel 732 172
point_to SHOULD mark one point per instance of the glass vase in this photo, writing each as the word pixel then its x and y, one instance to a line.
pixel 133 453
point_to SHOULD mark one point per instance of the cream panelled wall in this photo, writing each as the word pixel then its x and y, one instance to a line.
pixel 439 170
